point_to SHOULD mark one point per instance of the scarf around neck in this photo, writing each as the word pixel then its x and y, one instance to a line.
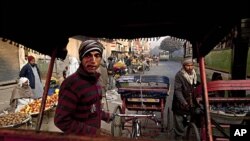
pixel 191 78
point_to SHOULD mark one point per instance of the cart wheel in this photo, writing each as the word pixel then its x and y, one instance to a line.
pixel 116 124
pixel 162 125
pixel 168 120
pixel 162 115
pixel 193 132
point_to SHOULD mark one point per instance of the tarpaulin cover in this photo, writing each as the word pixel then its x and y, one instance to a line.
pixel 146 86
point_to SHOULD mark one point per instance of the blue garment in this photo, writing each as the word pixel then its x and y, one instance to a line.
pixel 27 72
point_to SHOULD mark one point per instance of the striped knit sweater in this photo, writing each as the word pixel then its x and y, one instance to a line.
pixel 79 105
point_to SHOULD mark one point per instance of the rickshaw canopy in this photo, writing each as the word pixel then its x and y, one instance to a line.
pixel 44 26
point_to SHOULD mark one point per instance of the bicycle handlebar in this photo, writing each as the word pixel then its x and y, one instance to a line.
pixel 151 116
pixel 134 115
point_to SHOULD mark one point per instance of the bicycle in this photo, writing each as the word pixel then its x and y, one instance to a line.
pixel 192 129
pixel 136 128
pixel 194 122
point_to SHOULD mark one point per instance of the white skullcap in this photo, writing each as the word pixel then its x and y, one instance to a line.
pixel 23 80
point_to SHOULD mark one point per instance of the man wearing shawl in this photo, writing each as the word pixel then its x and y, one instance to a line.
pixel 21 95
pixel 183 100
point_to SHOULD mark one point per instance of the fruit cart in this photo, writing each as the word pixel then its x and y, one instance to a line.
pixel 142 93
pixel 11 120
pixel 119 69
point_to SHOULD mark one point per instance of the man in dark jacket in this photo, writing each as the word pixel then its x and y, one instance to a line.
pixel 185 79
pixel 32 72
pixel 79 108
pixel 110 73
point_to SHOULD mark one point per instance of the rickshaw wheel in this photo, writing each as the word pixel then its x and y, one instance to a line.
pixel 193 132
pixel 116 124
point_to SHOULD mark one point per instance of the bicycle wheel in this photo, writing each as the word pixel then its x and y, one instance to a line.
pixel 116 124
pixel 136 129
pixel 193 132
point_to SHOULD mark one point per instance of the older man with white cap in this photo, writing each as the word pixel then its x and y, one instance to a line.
pixel 79 108
pixel 21 95
pixel 185 80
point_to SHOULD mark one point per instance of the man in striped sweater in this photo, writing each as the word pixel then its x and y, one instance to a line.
pixel 79 106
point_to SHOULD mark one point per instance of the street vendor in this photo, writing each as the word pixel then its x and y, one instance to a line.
pixel 21 95
pixel 79 108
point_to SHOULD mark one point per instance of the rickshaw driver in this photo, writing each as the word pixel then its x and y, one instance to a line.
pixel 79 108
pixel 185 80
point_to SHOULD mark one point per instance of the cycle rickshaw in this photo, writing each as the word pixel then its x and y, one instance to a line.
pixel 140 93
pixel 224 111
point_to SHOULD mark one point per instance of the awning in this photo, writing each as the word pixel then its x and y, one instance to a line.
pixel 44 26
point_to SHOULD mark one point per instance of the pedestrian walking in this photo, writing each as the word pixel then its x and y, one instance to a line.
pixel 185 80
pixel 110 73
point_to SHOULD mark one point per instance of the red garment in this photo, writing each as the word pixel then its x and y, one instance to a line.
pixel 30 58
pixel 79 105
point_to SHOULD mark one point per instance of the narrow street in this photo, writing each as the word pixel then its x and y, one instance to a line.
pixel 164 68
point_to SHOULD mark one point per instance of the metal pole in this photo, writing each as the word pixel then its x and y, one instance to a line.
pixel 106 100
pixel 45 93
pixel 204 84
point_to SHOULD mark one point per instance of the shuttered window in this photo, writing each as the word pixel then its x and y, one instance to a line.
pixel 9 62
